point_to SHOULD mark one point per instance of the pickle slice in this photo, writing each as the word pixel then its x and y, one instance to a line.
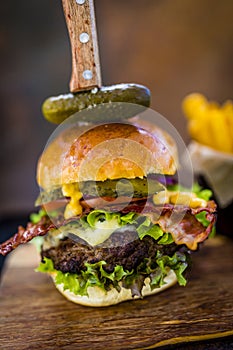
pixel 121 187
pixel 135 98
pixel 138 188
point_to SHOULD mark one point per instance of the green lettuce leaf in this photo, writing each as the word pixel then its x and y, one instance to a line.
pixel 46 266
pixel 102 215
pixel 177 263
pixel 155 268
pixel 201 217
pixel 146 228
pixel 129 218
pixel 153 231
pixel 143 226
pixel 70 282
pixel 94 275
pixel 205 194
pixel 97 215
pixel 36 217
pixel 166 239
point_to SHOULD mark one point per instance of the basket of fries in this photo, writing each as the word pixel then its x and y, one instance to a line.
pixel 210 126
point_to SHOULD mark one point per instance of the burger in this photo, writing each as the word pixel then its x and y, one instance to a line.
pixel 114 225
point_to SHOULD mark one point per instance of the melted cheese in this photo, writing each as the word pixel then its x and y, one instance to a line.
pixel 93 236
pixel 74 207
pixel 99 234
pixel 177 197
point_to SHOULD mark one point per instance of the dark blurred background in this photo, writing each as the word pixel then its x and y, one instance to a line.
pixel 173 47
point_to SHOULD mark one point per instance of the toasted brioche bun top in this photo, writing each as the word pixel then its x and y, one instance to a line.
pixel 106 151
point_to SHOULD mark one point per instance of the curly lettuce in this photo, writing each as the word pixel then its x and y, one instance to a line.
pixel 156 269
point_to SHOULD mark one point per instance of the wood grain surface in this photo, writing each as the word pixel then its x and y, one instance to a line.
pixel 33 315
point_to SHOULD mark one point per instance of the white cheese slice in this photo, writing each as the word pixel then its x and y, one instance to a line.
pixel 93 236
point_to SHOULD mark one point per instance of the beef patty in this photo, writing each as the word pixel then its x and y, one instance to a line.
pixel 70 256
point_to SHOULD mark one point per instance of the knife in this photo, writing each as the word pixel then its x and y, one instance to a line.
pixel 81 24
pixel 86 90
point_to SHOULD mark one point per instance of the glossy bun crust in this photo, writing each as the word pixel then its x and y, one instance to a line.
pixel 97 297
pixel 108 151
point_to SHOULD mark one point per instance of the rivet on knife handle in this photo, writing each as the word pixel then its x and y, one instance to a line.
pixel 80 19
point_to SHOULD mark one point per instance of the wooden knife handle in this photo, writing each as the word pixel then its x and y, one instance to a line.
pixel 80 20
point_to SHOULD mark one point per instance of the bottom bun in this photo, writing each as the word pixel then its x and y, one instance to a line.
pixel 98 297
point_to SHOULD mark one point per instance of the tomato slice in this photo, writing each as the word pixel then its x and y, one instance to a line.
pixel 108 201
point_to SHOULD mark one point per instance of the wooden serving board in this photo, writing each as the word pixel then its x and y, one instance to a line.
pixel 33 315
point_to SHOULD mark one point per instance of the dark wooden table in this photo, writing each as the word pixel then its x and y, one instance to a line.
pixel 33 315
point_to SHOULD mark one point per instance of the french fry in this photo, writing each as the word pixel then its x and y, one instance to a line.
pixel 209 123
pixel 199 131
pixel 220 131
pixel 194 105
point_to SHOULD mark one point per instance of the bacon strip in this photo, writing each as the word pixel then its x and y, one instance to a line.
pixel 180 221
pixel 25 235
pixel 149 207
pixel 188 230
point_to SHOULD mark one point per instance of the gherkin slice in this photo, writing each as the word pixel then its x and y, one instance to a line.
pixel 110 103
pixel 124 187
pixel 137 188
